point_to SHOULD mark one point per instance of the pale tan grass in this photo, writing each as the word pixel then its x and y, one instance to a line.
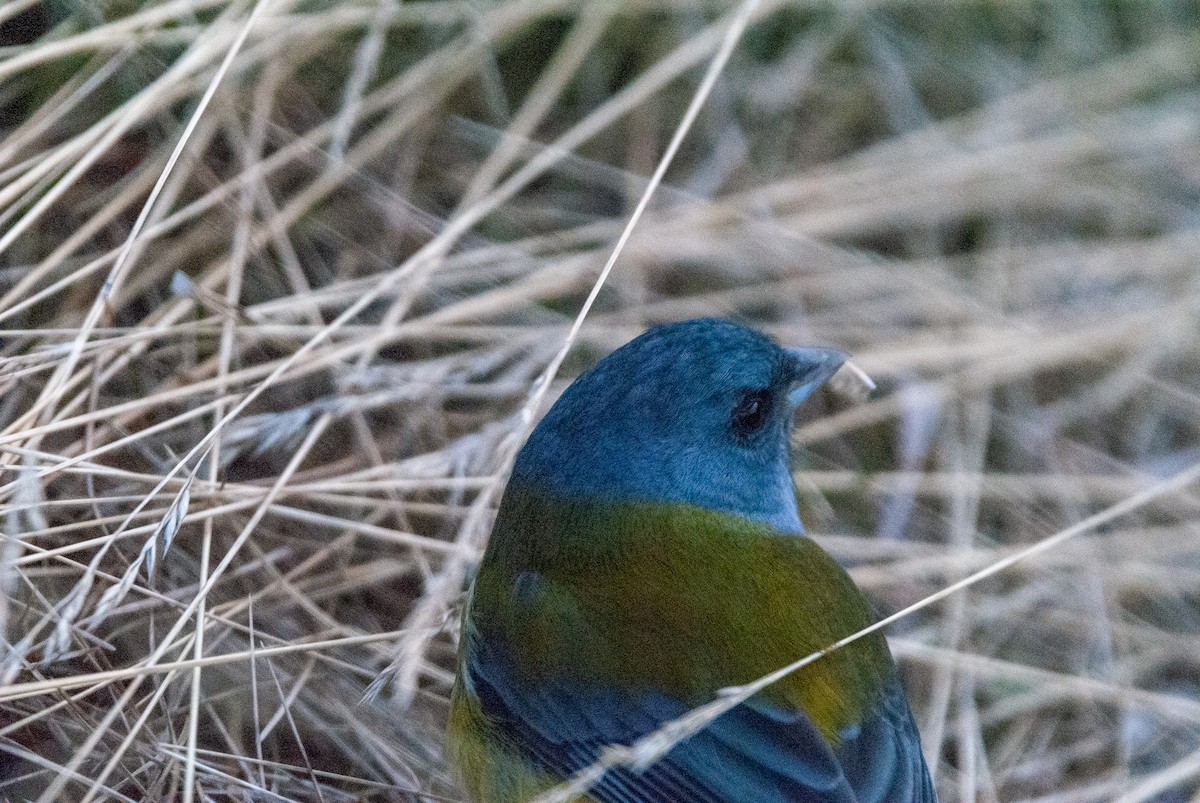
pixel 376 243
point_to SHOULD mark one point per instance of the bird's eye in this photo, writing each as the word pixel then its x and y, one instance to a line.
pixel 752 412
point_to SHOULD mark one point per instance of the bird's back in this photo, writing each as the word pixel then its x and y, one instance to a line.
pixel 573 641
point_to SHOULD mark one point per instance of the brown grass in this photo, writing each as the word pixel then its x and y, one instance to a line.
pixel 270 332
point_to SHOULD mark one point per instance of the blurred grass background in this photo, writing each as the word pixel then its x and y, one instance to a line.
pixel 374 241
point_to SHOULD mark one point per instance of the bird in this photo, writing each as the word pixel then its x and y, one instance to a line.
pixel 647 553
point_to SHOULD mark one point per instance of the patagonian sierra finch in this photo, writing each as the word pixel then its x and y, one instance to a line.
pixel 647 553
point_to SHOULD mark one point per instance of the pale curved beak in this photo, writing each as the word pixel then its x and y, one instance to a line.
pixel 816 367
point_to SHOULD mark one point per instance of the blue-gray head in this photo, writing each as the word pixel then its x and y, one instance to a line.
pixel 695 412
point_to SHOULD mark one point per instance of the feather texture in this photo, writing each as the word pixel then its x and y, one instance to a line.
pixel 574 648
pixel 647 553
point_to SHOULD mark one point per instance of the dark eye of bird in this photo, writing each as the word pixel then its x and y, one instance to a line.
pixel 752 412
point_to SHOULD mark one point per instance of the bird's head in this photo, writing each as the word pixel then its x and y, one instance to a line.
pixel 695 412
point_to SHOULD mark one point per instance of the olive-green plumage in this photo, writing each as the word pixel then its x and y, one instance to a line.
pixel 751 600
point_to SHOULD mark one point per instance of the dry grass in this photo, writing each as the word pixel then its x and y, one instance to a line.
pixel 277 282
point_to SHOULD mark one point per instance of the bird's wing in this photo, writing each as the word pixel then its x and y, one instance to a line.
pixel 883 760
pixel 755 752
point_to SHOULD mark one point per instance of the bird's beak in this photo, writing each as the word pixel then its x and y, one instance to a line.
pixel 816 367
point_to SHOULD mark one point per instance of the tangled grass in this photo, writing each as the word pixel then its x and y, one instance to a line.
pixel 277 281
